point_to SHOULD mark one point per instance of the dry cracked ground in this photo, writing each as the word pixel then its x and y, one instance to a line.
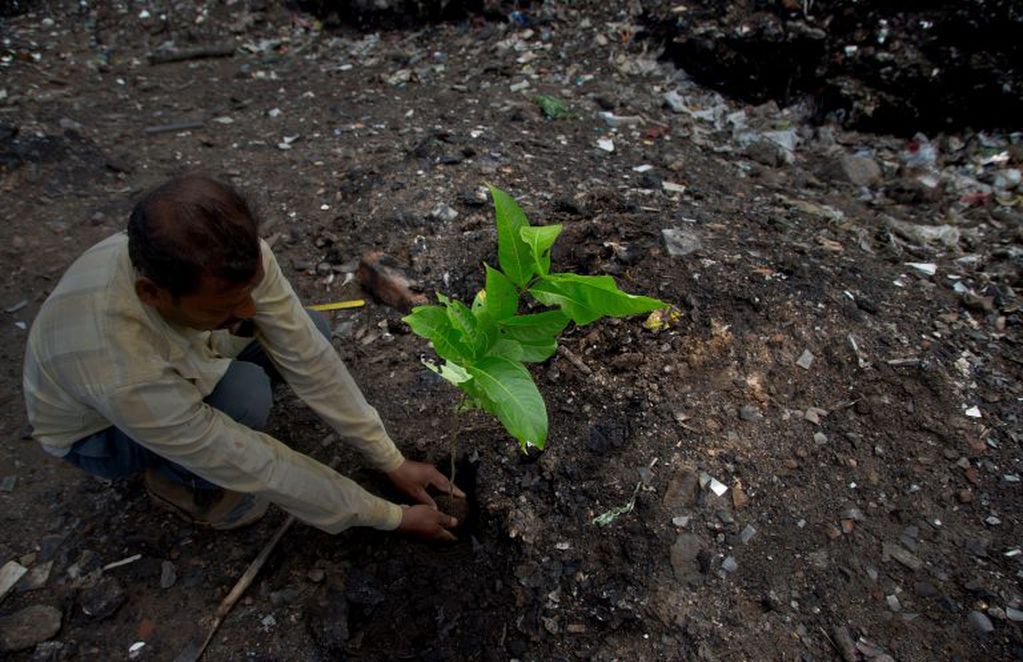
pixel 820 459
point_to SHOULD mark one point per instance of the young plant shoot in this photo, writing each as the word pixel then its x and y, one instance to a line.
pixel 486 345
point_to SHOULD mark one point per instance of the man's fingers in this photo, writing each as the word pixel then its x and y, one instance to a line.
pixel 446 486
pixel 423 497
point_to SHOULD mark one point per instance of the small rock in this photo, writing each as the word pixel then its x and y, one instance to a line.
pixel 820 438
pixel 858 170
pixel 902 556
pixel 168 575
pixel 443 213
pixel 844 643
pixel 49 651
pixel 981 622
pixel 750 413
pixel 680 242
pixel 964 496
pixel 315 575
pixel 739 498
pixel 10 574
pixel 29 626
pixel 36 577
pixel 102 599
pixel 685 555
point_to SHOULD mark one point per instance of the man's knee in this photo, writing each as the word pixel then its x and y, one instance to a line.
pixel 321 322
pixel 245 394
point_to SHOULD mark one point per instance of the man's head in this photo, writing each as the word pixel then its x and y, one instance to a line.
pixel 194 243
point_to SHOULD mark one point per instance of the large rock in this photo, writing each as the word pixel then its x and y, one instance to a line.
pixel 26 628
pixel 858 170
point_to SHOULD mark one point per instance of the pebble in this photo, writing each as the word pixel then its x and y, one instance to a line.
pixel 103 598
pixel 168 575
pixel 749 413
pixel 680 243
pixel 443 213
pixel 10 574
pixel 820 438
pixel 747 534
pixel 29 626
pixel 681 521
pixel 981 622
pixel 902 556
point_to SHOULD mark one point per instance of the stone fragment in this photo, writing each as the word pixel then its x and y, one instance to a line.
pixel 29 626
pixel 10 574
pixel 168 575
pixel 102 599
pixel 857 170
pixel 683 490
pixel 891 550
pixel 680 243
pixel 981 622
pixel 36 577
pixel 739 498
pixel 685 558
pixel 444 213
pixel 750 413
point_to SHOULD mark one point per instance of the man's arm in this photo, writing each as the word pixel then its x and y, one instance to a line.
pixel 311 366
pixel 167 415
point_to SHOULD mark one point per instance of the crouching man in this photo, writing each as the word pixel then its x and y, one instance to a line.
pixel 156 354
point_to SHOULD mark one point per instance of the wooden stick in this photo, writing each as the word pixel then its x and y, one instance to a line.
pixel 163 57
pixel 198 645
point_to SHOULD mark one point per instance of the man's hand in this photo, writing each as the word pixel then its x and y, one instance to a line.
pixel 426 522
pixel 413 478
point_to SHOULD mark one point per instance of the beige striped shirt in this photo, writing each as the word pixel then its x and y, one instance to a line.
pixel 98 357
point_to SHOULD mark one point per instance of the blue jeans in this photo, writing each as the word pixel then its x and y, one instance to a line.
pixel 245 393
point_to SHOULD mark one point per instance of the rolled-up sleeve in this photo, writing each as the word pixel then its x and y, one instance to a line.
pixel 167 415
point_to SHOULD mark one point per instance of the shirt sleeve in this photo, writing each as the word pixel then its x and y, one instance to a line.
pixel 313 369
pixel 167 415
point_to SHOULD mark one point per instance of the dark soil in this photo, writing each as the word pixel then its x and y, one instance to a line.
pixel 866 512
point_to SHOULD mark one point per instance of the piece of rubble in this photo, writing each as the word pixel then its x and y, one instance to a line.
pixel 381 277
pixel 29 626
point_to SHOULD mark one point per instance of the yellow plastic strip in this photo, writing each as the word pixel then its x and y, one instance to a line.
pixel 338 305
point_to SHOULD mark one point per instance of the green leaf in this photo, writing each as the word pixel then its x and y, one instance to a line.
pixel 508 392
pixel 500 298
pixel 433 323
pixel 477 335
pixel 588 298
pixel 450 371
pixel 507 348
pixel 540 240
pixel 513 254
pixel 536 334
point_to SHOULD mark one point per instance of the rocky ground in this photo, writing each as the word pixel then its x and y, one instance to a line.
pixel 819 460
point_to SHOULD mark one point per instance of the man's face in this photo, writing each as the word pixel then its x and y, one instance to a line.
pixel 217 304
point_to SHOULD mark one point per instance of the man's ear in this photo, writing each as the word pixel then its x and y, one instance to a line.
pixel 147 291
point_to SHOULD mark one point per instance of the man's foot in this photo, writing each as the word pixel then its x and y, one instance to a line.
pixel 217 509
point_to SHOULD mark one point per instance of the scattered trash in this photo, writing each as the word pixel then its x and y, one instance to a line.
pixel 973 412
pixel 805 360
pixel 616 121
pixel 681 521
pixel 662 319
pixel 672 187
pixel 8 483
pixel 606 144
pixel 135 650
pixel 610 516
pixel 443 213
pixel 928 268
pixel 553 108
pixel 16 307
pixel 118 564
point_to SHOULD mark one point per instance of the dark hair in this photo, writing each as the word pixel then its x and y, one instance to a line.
pixel 192 227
